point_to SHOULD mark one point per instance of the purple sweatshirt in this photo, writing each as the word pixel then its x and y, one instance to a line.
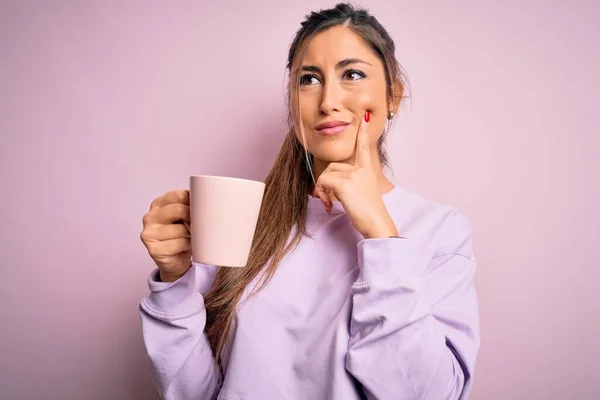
pixel 343 317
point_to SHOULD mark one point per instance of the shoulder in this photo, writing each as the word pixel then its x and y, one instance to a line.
pixel 441 227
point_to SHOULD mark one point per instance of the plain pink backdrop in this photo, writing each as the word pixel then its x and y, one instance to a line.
pixel 104 107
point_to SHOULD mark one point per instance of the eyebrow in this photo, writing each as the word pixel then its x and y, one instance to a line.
pixel 341 64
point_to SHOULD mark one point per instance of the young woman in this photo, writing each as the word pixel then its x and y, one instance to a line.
pixel 354 288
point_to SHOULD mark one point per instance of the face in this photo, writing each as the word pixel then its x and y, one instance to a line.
pixel 340 79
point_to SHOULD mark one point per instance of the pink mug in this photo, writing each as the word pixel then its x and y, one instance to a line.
pixel 223 215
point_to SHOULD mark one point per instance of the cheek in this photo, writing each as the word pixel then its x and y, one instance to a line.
pixel 307 110
pixel 367 98
pixel 307 139
pixel 371 98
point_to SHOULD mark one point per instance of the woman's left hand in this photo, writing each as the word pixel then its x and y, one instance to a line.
pixel 355 186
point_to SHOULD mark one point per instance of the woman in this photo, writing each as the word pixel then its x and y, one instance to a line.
pixel 354 288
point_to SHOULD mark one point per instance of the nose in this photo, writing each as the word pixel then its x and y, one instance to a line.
pixel 331 97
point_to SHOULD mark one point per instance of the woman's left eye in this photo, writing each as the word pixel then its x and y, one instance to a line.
pixel 354 75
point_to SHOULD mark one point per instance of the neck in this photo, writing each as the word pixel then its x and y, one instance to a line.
pixel 383 183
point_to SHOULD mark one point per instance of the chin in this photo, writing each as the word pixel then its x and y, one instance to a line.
pixel 334 152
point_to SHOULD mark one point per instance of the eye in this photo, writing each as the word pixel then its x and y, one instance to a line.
pixel 354 75
pixel 308 79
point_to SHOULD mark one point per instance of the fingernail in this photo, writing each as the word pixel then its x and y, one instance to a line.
pixel 328 211
pixel 367 116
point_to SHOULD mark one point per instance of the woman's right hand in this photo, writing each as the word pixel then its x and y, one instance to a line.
pixel 165 236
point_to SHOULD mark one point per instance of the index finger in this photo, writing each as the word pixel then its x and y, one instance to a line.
pixel 174 196
pixel 363 144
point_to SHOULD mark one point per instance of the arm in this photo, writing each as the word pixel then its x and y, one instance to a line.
pixel 173 320
pixel 414 326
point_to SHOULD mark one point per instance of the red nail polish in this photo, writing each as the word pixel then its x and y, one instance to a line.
pixel 367 116
pixel 328 211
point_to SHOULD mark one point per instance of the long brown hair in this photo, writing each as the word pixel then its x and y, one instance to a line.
pixel 290 180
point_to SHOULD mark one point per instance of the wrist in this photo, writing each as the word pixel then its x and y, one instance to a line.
pixel 382 232
pixel 168 278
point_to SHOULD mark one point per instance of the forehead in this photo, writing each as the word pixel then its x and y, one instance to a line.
pixel 336 44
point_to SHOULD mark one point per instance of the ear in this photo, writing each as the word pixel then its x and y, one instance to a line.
pixel 396 96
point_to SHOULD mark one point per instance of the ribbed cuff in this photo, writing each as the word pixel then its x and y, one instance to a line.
pixel 173 298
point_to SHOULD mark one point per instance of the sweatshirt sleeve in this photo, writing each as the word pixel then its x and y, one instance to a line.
pixel 173 320
pixel 414 326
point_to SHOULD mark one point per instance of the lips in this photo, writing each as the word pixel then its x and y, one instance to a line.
pixel 331 127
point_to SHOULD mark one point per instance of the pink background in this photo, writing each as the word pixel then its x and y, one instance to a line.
pixel 105 107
